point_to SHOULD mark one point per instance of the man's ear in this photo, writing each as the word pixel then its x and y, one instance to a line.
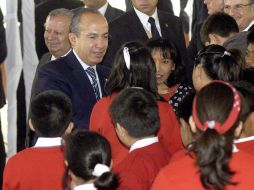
pixel 73 39
pixel 192 125
pixel 120 130
pixel 31 125
pixel 214 39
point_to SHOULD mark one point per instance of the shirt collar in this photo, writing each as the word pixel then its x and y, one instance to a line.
pixel 53 57
pixel 144 142
pixel 84 65
pixel 103 9
pixel 89 186
pixel 248 27
pixel 244 139
pixel 144 17
pixel 48 142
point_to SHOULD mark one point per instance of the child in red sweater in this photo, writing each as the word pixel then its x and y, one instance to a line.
pixel 42 166
pixel 134 112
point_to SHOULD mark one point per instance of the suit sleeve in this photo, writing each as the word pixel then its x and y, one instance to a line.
pixel 50 79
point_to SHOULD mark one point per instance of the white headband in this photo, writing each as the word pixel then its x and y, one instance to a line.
pixel 127 57
pixel 100 169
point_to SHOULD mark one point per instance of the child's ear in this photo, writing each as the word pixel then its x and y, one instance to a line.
pixel 69 128
pixel 31 125
pixel 120 130
pixel 192 125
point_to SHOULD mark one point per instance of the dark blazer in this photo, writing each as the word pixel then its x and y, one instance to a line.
pixel 194 47
pixel 67 75
pixel 129 28
pixel 44 60
pixel 41 12
pixel 112 13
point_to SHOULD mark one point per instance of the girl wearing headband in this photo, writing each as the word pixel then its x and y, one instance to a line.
pixel 214 62
pixel 171 80
pixel 213 162
pixel 134 67
pixel 88 160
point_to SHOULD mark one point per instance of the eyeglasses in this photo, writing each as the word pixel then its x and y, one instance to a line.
pixel 237 7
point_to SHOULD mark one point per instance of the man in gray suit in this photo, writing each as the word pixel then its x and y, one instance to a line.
pixel 56 36
pixel 104 8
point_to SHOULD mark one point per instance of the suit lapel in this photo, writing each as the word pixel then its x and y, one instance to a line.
pixel 79 78
pixel 109 13
pixel 136 26
pixel 164 24
pixel 251 28
pixel 102 77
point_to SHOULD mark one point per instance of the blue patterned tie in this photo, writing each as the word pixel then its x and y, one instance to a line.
pixel 154 31
pixel 91 72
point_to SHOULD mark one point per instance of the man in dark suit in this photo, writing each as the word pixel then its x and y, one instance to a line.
pixel 242 11
pixel 56 36
pixel 78 74
pixel 163 5
pixel 41 12
pixel 104 8
pixel 136 25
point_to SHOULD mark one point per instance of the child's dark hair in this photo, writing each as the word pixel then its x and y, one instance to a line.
pixel 215 24
pixel 136 110
pixel 184 109
pixel 247 91
pixel 83 150
pixel 220 64
pixel 51 113
pixel 169 51
pixel 213 149
pixel 142 71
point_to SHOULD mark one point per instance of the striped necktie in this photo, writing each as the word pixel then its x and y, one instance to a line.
pixel 91 72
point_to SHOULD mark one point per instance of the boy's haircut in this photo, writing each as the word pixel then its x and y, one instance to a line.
pixel 219 23
pixel 50 113
pixel 136 110
pixel 250 37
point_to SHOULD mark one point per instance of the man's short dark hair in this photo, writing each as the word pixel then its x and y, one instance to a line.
pixel 219 23
pixel 136 110
pixel 77 13
pixel 50 113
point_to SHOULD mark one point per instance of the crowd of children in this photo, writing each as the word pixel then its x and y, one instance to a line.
pixel 139 138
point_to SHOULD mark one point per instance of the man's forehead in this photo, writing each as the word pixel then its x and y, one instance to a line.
pixel 234 2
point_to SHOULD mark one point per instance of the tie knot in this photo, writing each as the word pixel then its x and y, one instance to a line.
pixel 151 20
pixel 91 72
